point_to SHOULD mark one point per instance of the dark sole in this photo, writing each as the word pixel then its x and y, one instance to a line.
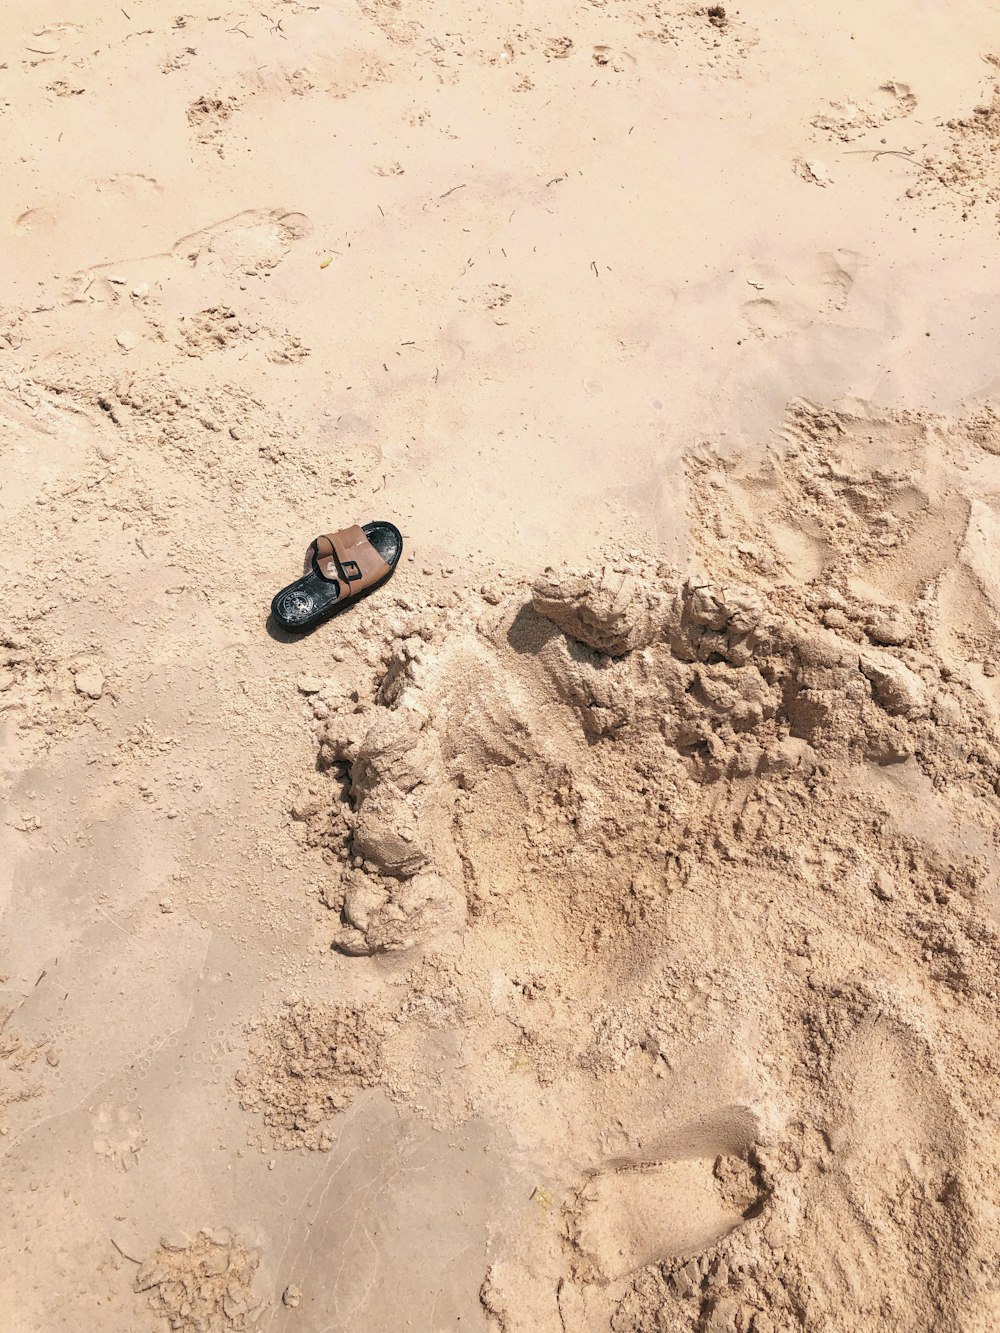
pixel 312 599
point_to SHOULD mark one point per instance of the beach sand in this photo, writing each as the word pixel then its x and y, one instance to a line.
pixel 596 929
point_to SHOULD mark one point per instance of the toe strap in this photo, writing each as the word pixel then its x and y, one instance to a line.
pixel 350 558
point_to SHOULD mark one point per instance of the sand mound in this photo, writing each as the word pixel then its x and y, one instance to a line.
pixel 691 874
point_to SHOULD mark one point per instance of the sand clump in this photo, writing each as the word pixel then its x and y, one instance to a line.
pixel 848 119
pixel 202 1285
pixel 962 173
pixel 634 822
pixel 306 1065
pixel 971 165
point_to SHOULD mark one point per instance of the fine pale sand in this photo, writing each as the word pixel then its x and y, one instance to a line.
pixel 596 930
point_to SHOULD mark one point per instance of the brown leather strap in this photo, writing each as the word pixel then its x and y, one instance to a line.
pixel 349 557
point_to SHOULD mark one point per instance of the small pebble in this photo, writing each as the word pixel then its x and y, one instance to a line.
pixel 126 340
pixel 310 685
pixel 291 1296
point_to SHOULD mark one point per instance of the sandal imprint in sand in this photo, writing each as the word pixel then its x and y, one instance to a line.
pixel 346 566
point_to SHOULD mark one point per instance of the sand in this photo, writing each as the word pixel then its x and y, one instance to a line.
pixel 595 930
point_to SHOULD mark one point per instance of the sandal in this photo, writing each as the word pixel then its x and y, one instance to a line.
pixel 346 566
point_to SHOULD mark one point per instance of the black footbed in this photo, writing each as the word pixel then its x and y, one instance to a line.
pixel 312 599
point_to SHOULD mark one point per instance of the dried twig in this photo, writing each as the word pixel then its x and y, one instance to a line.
pixel 122 1252
pixel 907 155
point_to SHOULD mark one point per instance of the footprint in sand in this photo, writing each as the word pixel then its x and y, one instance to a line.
pixel 849 478
pixel 48 41
pixel 969 593
pixel 879 1214
pixel 624 1217
pixel 867 1225
pixel 607 57
pixel 633 1213
pixel 42 218
pixel 118 1134
pixel 254 241
pixel 624 1220
pixel 385 14
pixel 250 243
pixel 207 116
pixel 558 48
pixel 837 272
pixel 820 286
pixel 766 318
pixel 129 184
